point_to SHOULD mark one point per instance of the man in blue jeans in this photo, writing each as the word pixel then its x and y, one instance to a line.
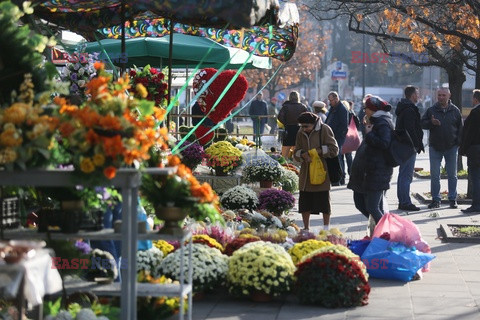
pixel 470 147
pixel 444 121
pixel 408 118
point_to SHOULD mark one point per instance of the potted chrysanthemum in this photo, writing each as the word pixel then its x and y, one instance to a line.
pixel 209 266
pixel 261 270
pixel 332 276
pixel 193 155
pixel 223 157
pixel 301 249
pixel 239 197
pixel 276 201
pixel 262 171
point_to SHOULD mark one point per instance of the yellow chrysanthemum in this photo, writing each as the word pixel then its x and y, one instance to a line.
pixel 98 159
pixel 86 165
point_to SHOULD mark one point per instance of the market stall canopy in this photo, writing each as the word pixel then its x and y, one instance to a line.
pixel 85 16
pixel 187 52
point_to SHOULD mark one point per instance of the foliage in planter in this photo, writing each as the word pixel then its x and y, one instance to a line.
pixel 276 201
pixel 331 280
pixel 149 261
pixel 260 170
pixel 260 266
pixel 209 266
pixel 239 197
pixel 299 250
pixel 461 174
pixel 158 307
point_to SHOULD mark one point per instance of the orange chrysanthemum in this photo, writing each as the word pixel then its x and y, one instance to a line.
pixel 113 146
pixel 110 123
pixel 66 129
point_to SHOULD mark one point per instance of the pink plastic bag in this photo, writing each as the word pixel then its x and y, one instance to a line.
pixel 404 231
pixel 352 140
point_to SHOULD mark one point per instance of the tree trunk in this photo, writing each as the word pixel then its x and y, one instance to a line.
pixel 456 78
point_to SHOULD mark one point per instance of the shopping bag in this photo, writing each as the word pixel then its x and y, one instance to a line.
pixel 393 260
pixel 352 140
pixel 316 169
pixel 401 148
pixel 402 230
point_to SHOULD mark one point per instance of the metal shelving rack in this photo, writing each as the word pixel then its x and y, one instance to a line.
pixel 128 180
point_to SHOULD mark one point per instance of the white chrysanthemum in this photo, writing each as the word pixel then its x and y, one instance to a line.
pixel 86 314
pixel 64 315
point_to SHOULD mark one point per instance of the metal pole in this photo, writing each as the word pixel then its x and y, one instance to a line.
pixel 122 19
pixel 170 53
pixel 363 67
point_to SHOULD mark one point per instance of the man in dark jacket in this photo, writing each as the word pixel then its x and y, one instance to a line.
pixel 408 118
pixel 444 121
pixel 470 147
pixel 258 108
pixel 337 119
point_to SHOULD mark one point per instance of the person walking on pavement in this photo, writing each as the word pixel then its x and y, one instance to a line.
pixel 258 108
pixel 272 113
pixel 371 174
pixel 337 119
pixel 288 116
pixel 314 198
pixel 320 109
pixel 408 118
pixel 444 121
pixel 470 147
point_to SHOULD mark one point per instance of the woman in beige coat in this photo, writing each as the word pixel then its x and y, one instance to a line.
pixel 314 198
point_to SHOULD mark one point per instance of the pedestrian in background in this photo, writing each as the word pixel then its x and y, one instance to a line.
pixel 470 147
pixel 258 108
pixel 272 113
pixel 444 121
pixel 408 119
pixel 288 116
pixel 320 109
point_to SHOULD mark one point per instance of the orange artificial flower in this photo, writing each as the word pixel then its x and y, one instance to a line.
pixel 92 137
pixel 159 113
pixel 113 146
pixel 173 160
pixel 110 123
pixel 98 65
pixel 110 172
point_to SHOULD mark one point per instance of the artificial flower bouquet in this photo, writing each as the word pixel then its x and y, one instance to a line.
pixel 192 155
pixel 260 267
pixel 223 155
pixel 332 277
pixel 154 85
pixel 209 266
pixel 276 201
pixel 78 72
pixel 158 307
pixel 25 131
pixel 259 170
pixel 239 197
pixel 111 129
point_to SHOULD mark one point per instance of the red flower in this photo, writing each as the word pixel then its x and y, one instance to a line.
pixel 133 73
pixel 153 71
pixel 161 76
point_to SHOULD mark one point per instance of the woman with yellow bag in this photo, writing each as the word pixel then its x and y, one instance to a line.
pixel 314 142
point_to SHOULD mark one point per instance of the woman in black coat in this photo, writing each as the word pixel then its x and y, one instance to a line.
pixel 371 174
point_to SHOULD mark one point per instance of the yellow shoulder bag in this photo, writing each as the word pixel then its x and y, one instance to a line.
pixel 317 170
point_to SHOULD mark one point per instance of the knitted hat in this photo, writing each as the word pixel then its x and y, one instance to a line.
pixel 376 103
pixel 307 117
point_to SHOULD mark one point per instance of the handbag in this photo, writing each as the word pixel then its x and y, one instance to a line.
pixel 352 140
pixel 316 170
pixel 401 148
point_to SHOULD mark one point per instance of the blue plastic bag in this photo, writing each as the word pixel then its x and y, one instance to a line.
pixel 358 246
pixel 393 260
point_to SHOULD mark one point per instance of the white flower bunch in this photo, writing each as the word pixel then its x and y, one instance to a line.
pixel 289 180
pixel 239 197
pixel 260 170
pixel 242 147
pixel 260 266
pixel 209 266
pixel 149 261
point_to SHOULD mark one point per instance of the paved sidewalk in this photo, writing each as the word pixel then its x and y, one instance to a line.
pixel 451 290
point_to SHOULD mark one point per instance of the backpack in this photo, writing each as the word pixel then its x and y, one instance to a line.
pixel 401 148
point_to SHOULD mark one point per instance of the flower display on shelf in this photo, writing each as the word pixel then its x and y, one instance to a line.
pixel 209 266
pixel 164 246
pixel 239 242
pixel 154 85
pixel 158 307
pixel 332 278
pixel 111 129
pixel 192 155
pixel 239 197
pixel 276 201
pixel 149 261
pixel 259 170
pixel 79 72
pixel 25 131
pixel 260 266
pixel 224 156
pixel 289 181
pixel 207 240
pixel 299 250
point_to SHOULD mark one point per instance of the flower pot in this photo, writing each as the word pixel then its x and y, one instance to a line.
pixel 172 217
pixel 219 172
pixel 266 184
pixel 260 296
